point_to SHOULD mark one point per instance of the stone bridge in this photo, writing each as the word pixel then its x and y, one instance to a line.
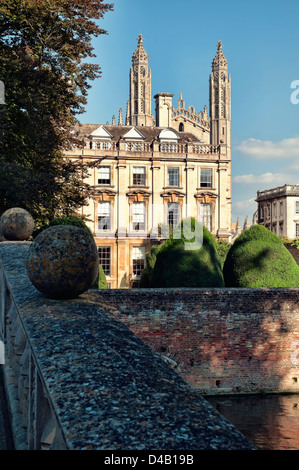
pixel 77 378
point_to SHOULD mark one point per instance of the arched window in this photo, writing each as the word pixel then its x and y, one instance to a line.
pixel 181 127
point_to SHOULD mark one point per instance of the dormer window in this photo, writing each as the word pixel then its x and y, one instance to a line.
pixel 134 140
pixel 100 139
pixel 169 139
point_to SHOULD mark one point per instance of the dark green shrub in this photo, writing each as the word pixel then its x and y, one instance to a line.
pixel 151 256
pixel 222 248
pixel 65 220
pixel 258 233
pixel 177 267
pixel 258 258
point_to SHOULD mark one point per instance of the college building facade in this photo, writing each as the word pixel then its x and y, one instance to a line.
pixel 152 171
pixel 278 210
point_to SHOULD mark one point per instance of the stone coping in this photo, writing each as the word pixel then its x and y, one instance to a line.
pixel 109 390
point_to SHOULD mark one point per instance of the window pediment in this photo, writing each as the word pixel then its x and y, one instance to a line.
pixel 173 196
pixel 138 195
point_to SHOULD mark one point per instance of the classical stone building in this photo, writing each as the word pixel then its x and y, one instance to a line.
pixel 157 169
pixel 278 210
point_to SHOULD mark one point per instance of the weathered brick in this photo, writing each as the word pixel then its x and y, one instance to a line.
pixel 243 339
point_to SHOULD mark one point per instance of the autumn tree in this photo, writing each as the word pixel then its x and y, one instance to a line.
pixel 45 47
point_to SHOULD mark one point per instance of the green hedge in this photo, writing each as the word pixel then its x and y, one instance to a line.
pixel 258 258
pixel 101 281
pixel 151 256
pixel 177 267
pixel 66 220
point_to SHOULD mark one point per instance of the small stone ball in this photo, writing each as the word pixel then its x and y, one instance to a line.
pixel 16 224
pixel 63 262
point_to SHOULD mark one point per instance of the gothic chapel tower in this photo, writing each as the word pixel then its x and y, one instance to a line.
pixel 220 102
pixel 220 135
pixel 139 104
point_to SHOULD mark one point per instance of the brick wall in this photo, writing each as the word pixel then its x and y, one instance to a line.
pixel 218 340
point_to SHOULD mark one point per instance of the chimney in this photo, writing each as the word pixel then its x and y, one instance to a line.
pixel 163 109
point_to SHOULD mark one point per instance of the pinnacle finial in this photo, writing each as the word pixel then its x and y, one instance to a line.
pixel 219 59
pixel 140 40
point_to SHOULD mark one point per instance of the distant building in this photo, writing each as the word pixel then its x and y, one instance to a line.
pixel 157 169
pixel 278 210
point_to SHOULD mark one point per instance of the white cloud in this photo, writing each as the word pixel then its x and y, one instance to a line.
pixel 248 204
pixel 256 148
pixel 265 178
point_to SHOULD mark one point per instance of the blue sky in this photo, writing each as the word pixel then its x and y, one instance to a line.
pixel 261 43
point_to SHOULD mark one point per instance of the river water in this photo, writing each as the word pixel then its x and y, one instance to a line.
pixel 270 422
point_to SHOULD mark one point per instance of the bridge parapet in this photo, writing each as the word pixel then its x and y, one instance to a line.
pixel 77 378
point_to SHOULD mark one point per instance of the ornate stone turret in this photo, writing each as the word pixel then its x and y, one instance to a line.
pixel 220 101
pixel 220 133
pixel 139 109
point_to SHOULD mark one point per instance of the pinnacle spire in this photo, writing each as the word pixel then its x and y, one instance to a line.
pixel 219 59
pixel 140 54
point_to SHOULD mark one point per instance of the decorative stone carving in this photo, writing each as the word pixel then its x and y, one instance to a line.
pixel 16 224
pixel 63 262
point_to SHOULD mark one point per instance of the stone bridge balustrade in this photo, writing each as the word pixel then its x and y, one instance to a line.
pixel 34 423
pixel 77 378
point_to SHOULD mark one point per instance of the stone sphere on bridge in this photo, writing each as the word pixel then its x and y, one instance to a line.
pixel 16 224
pixel 63 262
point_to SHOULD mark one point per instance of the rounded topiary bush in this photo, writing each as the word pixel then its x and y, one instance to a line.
pixel 258 258
pixel 151 256
pixel 177 266
pixel 66 220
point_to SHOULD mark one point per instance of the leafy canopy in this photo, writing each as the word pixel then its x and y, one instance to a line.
pixel 44 50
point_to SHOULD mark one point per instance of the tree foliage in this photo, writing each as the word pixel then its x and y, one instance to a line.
pixel 258 258
pixel 44 50
pixel 177 267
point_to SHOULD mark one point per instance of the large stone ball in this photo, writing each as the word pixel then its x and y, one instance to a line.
pixel 63 262
pixel 16 224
